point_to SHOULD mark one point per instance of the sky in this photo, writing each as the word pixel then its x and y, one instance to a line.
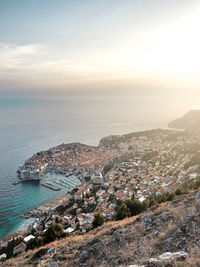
pixel 137 46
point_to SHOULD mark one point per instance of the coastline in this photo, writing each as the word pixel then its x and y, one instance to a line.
pixel 45 205
pixel 36 216
pixel 75 157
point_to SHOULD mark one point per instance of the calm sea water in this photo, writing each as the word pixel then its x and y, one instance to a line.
pixel 28 125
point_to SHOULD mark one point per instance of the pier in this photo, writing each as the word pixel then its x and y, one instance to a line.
pixel 17 182
pixel 25 180
pixel 52 187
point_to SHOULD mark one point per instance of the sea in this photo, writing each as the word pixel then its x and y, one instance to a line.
pixel 32 124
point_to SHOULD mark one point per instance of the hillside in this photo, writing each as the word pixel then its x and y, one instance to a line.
pixel 170 227
pixel 189 121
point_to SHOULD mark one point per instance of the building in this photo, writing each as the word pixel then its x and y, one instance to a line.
pixel 69 230
pixel 30 175
pixel 19 248
pixel 3 256
pixel 35 175
pixel 4 241
pixel 24 174
pixel 97 178
pixel 28 238
pixel 81 193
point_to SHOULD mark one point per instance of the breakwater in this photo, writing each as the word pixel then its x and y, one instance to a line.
pixel 50 186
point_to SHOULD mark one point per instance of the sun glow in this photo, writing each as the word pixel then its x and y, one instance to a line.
pixel 165 52
pixel 169 50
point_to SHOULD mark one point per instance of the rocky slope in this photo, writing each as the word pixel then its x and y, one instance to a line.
pixel 143 240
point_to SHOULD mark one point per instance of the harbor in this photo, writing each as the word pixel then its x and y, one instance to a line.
pixel 57 171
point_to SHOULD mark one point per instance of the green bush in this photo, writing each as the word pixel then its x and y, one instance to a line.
pixel 99 219
pixel 122 212
pixel 152 201
pixel 33 243
pixel 145 204
pixel 170 196
pixel 181 191
pixel 54 231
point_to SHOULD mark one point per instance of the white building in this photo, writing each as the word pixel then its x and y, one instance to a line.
pixel 97 178
pixel 19 249
pixel 28 238
pixel 69 230
pixel 3 256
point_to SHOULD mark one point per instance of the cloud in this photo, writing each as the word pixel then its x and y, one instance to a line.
pixel 15 57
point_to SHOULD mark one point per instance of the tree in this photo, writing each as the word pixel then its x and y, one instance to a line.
pixel 119 202
pixel 145 204
pixel 123 212
pixel 135 207
pixel 129 203
pixel 33 243
pixel 152 201
pixel 99 219
pixel 54 231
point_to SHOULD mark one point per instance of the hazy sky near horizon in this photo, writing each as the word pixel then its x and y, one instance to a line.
pixel 100 45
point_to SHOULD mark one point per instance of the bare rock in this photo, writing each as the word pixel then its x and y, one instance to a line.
pixel 198 204
pixel 83 256
pixel 197 196
pixel 167 258
pixel 53 264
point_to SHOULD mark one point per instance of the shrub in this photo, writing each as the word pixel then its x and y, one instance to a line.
pixel 170 196
pixel 33 243
pixel 145 204
pixel 152 201
pixel 181 191
pixel 39 254
pixel 136 207
pixel 123 212
pixel 99 219
pixel 53 232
